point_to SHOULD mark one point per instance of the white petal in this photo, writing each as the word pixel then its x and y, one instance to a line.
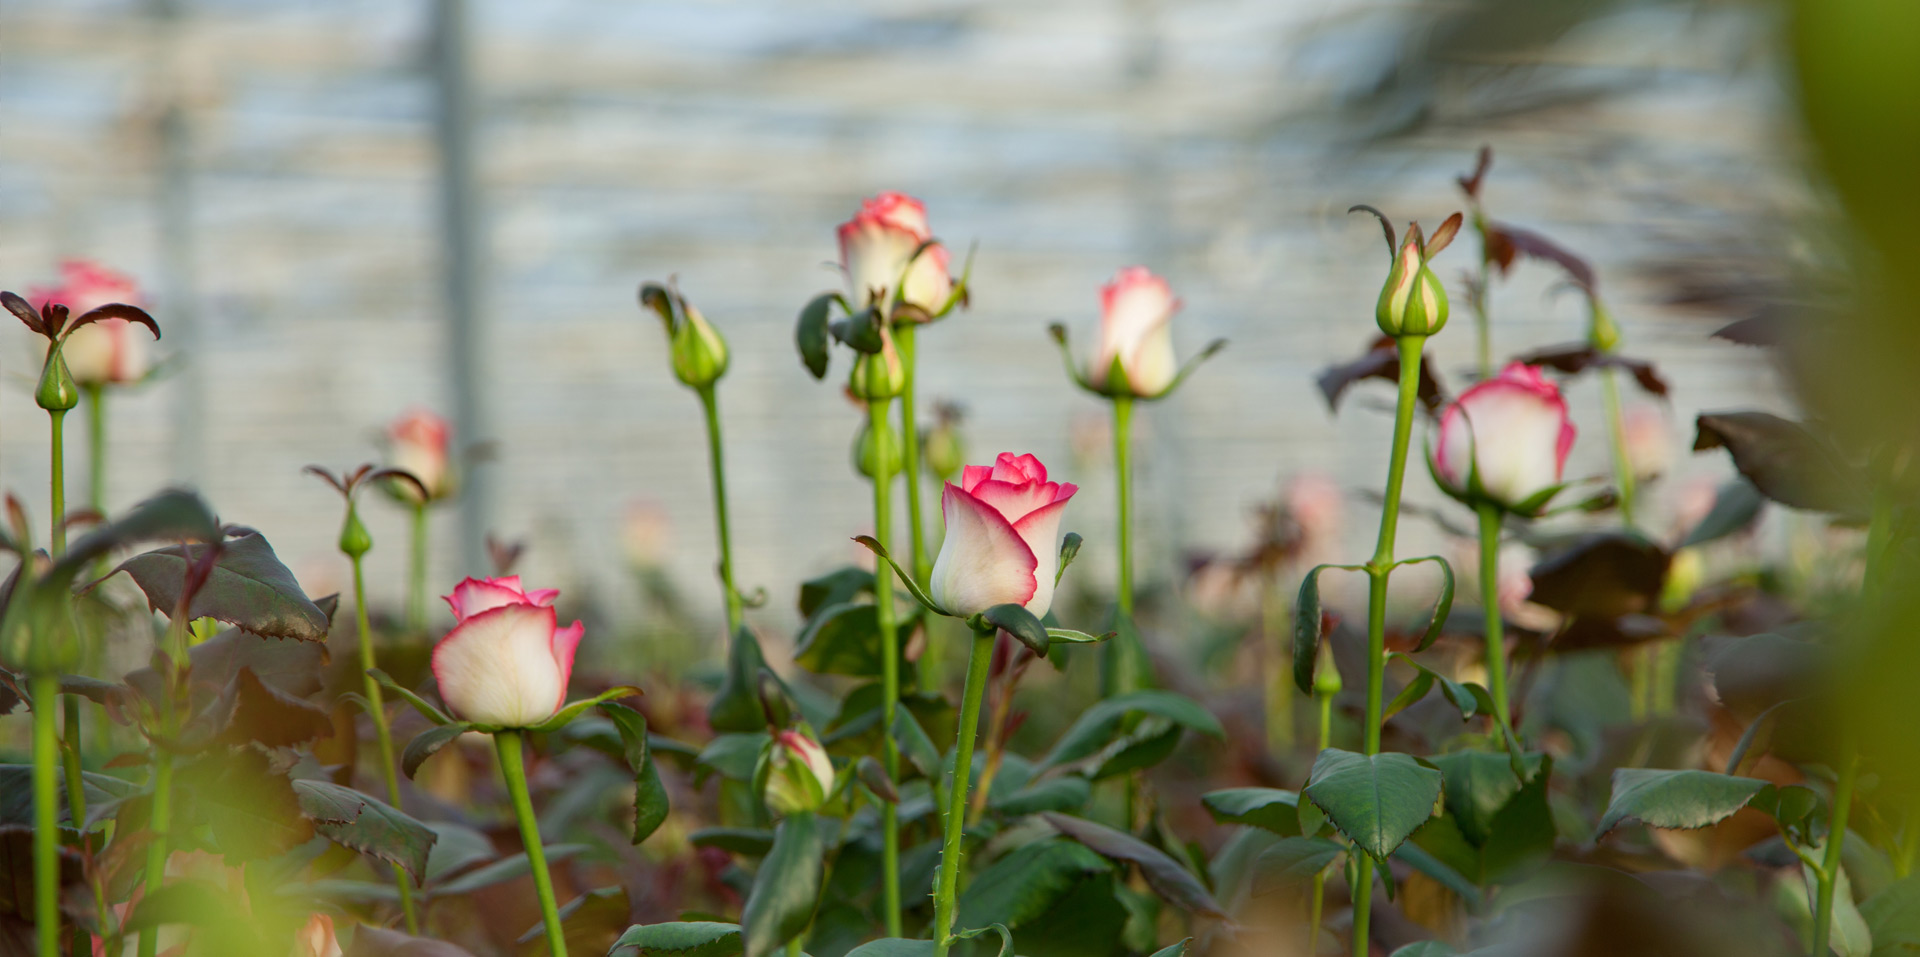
pixel 498 667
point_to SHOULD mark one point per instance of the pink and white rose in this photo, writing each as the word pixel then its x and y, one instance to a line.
pixel 507 661
pixel 419 442
pixel 1136 328
pixel 106 351
pixel 876 245
pixel 1003 537
pixel 1505 439
pixel 316 938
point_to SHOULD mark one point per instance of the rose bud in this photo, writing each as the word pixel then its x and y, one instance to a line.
pixel 872 449
pixel 316 938
pixel 1136 335
pixel 106 350
pixel 942 446
pixel 418 443
pixel 699 354
pixel 1413 303
pixel 1505 441
pixel 878 376
pixel 799 774
pixel 507 661
pixel 1002 543
pixel 876 247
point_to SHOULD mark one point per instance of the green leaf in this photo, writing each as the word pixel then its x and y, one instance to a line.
pixel 1735 507
pixel 202 905
pixel 1026 883
pixel 422 705
pixel 679 939
pixel 1166 876
pixel 1067 636
pixel 734 755
pixel 1427 948
pixel 1178 949
pixel 844 639
pixel 253 812
pixel 1098 724
pixel 649 795
pixel 781 903
pixel 508 868
pixel 1006 937
pixel 263 713
pixel 1375 800
pixel 1069 792
pixel 428 743
pixel 1017 621
pixel 1676 799
pixel 1306 626
pixel 1293 860
pixel 16 793
pixel 169 515
pixel 568 713
pixel 372 941
pixel 248 587
pixel 1893 915
pixel 1269 809
pixel 1787 461
pixel 836 587
pixel 918 748
pixel 810 333
pixel 1442 606
pixel 352 819
pixel 893 947
pixel 736 706
pixel 1478 784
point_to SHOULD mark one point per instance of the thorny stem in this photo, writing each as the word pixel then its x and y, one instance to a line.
pixel 949 880
pixel 710 401
pixel 508 745
pixel 889 663
pixel 376 709
pixel 996 732
pixel 1378 569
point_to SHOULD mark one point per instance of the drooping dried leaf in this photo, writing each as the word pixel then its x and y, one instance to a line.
pixel 1506 243
pixel 1605 575
pixel 1380 361
pixel 1575 358
pixel 1785 460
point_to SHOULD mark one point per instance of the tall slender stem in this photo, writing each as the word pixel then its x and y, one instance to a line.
pixel 1121 662
pixel 378 712
pixel 903 334
pixel 949 881
pixel 889 660
pixel 160 817
pixel 1490 518
pixel 508 745
pixel 1482 318
pixel 1829 873
pixel 1320 877
pixel 1378 570
pixel 417 580
pixel 46 816
pixel 57 481
pixel 710 401
pixel 1617 435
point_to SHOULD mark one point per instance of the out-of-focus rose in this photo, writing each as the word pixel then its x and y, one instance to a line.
pixel 107 350
pixel 646 533
pixel 1649 442
pixel 418 442
pixel 1136 331
pixel 507 661
pixel 1003 537
pixel 799 776
pixel 1314 501
pixel 316 939
pixel 1505 440
pixel 876 246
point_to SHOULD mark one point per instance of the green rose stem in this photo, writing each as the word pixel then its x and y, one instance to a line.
pixel 1326 684
pixel 711 403
pixel 949 880
pixel 417 583
pixel 160 818
pixel 910 454
pixel 1378 569
pixel 355 542
pixel 1490 520
pixel 1122 655
pixel 889 660
pixel 507 744
pixel 46 815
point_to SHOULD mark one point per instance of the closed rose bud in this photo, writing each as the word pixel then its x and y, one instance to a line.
pixel 1003 537
pixel 873 449
pixel 878 244
pixel 699 354
pixel 507 661
pixel 1326 672
pixel 56 391
pixel 1136 335
pixel 945 451
pixel 419 442
pixel 316 939
pixel 107 350
pixel 1413 303
pixel 799 774
pixel 1505 440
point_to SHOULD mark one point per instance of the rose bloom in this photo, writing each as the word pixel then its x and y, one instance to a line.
pixel 506 662
pixel 876 244
pixel 1136 327
pixel 316 939
pixel 801 775
pixel 418 443
pixel 108 350
pixel 1509 433
pixel 1003 537
pixel 1649 442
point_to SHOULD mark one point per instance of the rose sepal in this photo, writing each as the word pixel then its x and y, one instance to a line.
pixel 1118 387
pixel 1017 621
pixel 1067 636
pixel 901 575
pixel 565 716
pixel 422 705
pixel 1069 548
pixel 1475 494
